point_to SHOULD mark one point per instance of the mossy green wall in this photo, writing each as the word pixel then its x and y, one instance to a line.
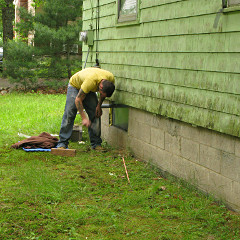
pixel 173 62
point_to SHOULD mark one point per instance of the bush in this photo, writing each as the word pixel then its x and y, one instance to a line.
pixel 21 65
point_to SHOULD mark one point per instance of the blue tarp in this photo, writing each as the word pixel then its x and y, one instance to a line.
pixel 36 150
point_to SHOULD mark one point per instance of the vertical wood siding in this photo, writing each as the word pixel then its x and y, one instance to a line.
pixel 174 62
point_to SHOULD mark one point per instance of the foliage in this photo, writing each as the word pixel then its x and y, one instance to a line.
pixel 1 35
pixel 26 65
pixel 7 14
pixel 88 196
pixel 56 30
pixel 21 64
pixel 26 23
pixel 38 3
pixel 2 4
pixel 1 26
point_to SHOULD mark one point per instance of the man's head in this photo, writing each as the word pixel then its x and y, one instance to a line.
pixel 106 88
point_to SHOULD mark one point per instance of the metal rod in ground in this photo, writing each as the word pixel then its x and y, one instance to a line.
pixel 125 169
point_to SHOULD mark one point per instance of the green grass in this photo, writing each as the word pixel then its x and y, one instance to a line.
pixel 43 196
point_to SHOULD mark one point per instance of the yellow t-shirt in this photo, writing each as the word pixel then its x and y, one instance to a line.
pixel 89 79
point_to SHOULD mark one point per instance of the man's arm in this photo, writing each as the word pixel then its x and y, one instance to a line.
pixel 98 108
pixel 79 105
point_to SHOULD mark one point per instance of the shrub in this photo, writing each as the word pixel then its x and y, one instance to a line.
pixel 21 65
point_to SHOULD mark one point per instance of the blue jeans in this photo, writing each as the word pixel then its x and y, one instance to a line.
pixel 89 103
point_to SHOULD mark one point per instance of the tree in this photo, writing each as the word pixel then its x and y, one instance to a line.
pixel 21 64
pixel 7 12
pixel 56 28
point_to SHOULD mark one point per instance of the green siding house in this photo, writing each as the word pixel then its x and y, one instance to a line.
pixel 177 69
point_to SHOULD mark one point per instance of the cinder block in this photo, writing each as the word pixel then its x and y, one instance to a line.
pixel 157 137
pixel 190 132
pixel 113 135
pixel 237 147
pixel 133 128
pixel 149 119
pixel 76 133
pixel 216 140
pixel 220 186
pixel 131 113
pixel 144 132
pixel 136 146
pixel 148 150
pixel 182 168
pixel 131 123
pixel 173 127
pixel 200 177
pixel 160 122
pixel 105 132
pixel 122 141
pixel 235 199
pixel 210 158
pixel 172 144
pixel 105 116
pixel 162 159
pixel 230 166
pixel 190 150
pixel 139 115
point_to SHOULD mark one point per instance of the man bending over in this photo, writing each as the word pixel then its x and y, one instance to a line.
pixel 81 94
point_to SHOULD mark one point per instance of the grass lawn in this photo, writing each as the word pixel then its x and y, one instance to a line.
pixel 43 196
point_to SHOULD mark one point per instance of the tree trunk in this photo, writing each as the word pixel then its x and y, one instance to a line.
pixel 69 65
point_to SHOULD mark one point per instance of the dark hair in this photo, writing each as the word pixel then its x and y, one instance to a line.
pixel 108 87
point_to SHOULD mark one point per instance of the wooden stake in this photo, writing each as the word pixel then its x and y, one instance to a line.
pixel 126 169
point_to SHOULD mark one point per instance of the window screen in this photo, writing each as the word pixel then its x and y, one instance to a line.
pixel 127 10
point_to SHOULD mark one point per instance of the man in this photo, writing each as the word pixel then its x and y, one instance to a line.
pixel 81 94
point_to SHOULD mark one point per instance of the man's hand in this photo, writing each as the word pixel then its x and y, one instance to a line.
pixel 86 122
pixel 98 111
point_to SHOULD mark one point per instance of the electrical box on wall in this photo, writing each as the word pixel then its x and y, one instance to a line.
pixel 87 37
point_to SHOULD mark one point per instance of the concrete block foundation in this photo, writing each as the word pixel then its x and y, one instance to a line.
pixel 204 158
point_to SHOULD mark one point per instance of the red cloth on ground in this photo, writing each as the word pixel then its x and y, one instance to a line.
pixel 44 140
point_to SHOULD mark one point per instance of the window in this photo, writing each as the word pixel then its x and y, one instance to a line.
pixel 127 10
pixel 230 3
pixel 120 118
